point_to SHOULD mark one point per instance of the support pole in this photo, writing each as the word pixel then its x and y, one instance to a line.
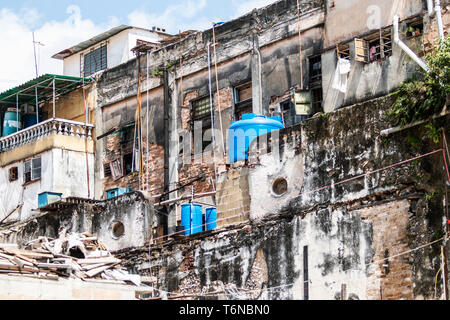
pixel 54 99
pixel 37 105
pixel 212 111
pixel 17 111
pixel 444 271
pixel 147 119
pixel 86 141
pixel 300 44
pixel 217 88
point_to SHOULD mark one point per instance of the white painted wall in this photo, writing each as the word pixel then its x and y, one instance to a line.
pixel 62 171
pixel 118 49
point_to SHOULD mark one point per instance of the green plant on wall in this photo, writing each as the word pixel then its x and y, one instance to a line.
pixel 433 132
pixel 157 73
pixel 424 96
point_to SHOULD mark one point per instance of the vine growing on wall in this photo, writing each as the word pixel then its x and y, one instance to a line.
pixel 425 95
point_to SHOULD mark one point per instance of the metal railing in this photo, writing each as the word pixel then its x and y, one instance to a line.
pixel 45 128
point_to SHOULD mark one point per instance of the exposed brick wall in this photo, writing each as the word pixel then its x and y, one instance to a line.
pixel 154 164
pixel 431 38
pixel 186 109
pixel 223 99
pixel 390 223
pixel 233 197
pixel 191 171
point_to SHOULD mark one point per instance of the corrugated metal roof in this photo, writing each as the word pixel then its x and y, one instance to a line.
pixel 91 42
pixel 27 91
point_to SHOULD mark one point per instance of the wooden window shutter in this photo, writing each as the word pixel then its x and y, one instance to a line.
pixel 116 169
pixel 361 50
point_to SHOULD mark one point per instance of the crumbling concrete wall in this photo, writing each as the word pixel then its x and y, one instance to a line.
pixel 132 211
pixel 358 238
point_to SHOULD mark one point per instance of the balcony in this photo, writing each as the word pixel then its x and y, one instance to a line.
pixel 49 127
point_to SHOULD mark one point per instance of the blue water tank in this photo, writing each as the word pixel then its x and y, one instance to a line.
pixel 211 219
pixel 192 217
pixel 29 120
pixel 242 133
pixel 47 198
pixel 117 192
pixel 12 122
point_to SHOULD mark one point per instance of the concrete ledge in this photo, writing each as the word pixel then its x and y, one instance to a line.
pixel 24 288
pixel 53 141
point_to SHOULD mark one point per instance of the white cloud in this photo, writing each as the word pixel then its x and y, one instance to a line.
pixel 16 56
pixel 174 18
pixel 244 7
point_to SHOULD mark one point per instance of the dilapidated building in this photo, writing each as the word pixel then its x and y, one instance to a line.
pixel 336 205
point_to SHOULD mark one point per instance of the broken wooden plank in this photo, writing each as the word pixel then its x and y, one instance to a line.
pixel 32 254
pixel 92 266
pixel 54 265
pixel 98 260
pixel 96 271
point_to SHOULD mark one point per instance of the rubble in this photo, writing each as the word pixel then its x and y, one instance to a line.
pixel 74 255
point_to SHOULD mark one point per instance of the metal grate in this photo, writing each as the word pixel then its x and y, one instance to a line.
pixel 95 61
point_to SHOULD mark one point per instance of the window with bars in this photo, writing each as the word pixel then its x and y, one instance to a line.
pixel 94 61
pixel 107 170
pixel 375 47
pixel 243 100
pixel 201 112
pixel 32 170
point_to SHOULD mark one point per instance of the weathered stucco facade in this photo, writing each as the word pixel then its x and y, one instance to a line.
pixel 330 207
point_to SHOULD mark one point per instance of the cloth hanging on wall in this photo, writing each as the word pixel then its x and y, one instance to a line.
pixel 341 75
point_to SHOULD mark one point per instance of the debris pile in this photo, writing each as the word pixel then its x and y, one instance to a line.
pixel 81 256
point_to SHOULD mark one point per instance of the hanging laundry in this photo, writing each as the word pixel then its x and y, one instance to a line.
pixel 341 74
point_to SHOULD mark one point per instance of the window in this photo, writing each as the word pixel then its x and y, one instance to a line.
pixel 13 174
pixel 315 71
pixel 127 134
pixel 287 113
pixel 95 61
pixel 343 51
pixel 414 29
pixel 243 100
pixel 374 47
pixel 317 99
pixel 107 170
pixel 201 112
pixel 128 163
pixel 32 170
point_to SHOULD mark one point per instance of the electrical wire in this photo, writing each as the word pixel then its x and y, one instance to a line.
pixel 329 186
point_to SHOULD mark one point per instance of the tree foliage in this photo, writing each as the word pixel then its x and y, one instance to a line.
pixel 424 96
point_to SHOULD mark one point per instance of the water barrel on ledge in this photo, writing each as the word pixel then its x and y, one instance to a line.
pixel 12 122
pixel 242 133
pixel 192 217
pixel 211 219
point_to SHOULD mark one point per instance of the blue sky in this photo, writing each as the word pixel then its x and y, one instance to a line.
pixel 101 11
pixel 59 24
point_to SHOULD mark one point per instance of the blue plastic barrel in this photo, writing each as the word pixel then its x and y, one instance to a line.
pixel 10 123
pixel 47 198
pixel 29 120
pixel 192 217
pixel 242 133
pixel 211 219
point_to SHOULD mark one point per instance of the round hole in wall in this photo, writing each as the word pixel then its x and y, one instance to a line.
pixel 280 186
pixel 118 230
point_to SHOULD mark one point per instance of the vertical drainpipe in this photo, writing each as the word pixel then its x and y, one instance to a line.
pixel 438 11
pixel 166 140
